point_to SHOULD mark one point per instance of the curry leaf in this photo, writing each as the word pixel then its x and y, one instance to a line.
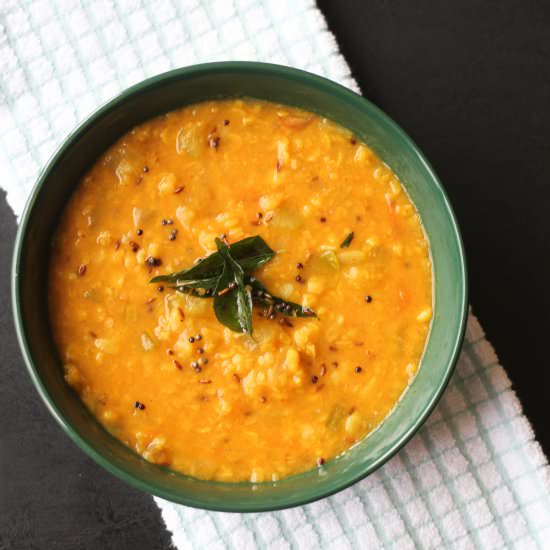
pixel 207 283
pixel 225 276
pixel 261 296
pixel 232 301
pixel 347 241
pixel 249 253
pixel 208 268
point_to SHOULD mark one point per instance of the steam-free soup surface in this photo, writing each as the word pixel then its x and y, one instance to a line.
pixel 159 370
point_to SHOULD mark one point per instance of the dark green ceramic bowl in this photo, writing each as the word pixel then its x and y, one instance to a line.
pixel 274 83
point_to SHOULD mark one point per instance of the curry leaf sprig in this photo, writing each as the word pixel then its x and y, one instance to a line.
pixel 226 277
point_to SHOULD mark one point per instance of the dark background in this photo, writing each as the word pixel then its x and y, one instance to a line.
pixel 470 82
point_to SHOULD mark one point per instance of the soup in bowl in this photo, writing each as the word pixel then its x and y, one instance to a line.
pixel 254 286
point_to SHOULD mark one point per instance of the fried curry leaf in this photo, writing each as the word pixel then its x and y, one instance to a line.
pixel 347 241
pixel 249 253
pixel 225 277
pixel 208 283
pixel 232 299
pixel 261 296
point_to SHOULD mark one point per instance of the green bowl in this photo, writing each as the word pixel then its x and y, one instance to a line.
pixel 273 83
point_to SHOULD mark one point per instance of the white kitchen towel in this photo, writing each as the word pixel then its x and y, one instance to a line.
pixel 473 477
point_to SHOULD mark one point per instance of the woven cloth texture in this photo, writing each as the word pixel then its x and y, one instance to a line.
pixel 473 476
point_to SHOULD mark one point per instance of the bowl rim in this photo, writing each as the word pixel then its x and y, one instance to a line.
pixel 249 67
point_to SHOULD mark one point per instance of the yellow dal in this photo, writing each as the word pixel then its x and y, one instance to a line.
pixel 287 398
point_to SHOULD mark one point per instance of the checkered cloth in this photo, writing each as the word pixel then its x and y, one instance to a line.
pixel 473 477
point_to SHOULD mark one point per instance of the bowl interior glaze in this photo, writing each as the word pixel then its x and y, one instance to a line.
pixel 273 83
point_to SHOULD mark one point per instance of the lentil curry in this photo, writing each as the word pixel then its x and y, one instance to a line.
pixel 155 365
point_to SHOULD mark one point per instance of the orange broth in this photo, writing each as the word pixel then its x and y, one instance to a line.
pixel 298 391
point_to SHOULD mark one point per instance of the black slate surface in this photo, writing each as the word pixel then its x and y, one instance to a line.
pixel 470 82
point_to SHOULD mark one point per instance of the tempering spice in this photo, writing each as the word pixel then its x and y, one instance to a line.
pixel 226 276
